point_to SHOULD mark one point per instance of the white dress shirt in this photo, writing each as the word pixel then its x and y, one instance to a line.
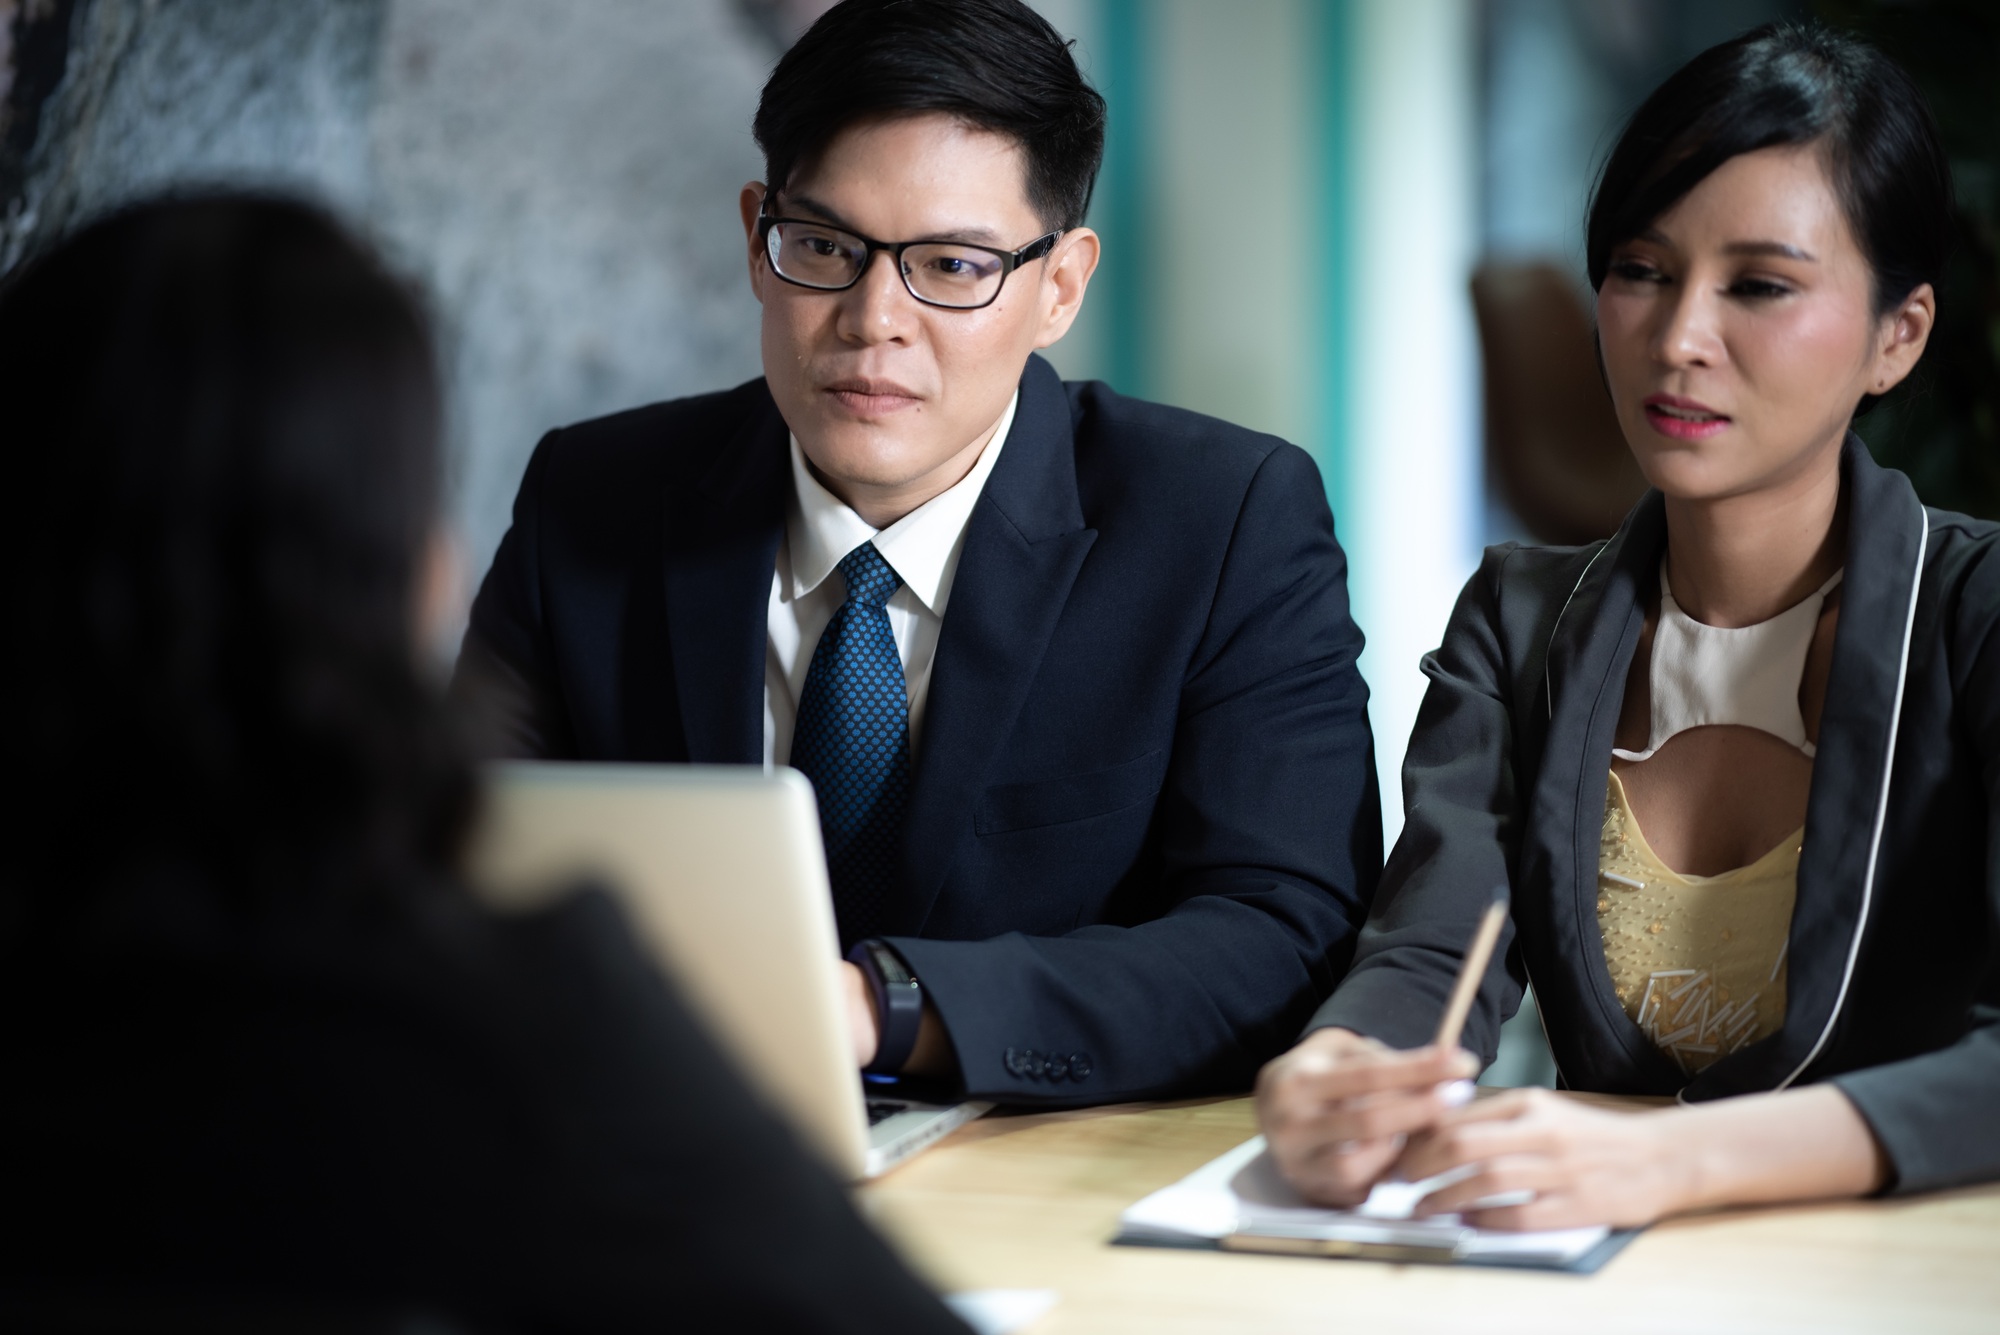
pixel 922 547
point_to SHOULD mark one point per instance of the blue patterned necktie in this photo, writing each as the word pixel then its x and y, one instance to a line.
pixel 852 740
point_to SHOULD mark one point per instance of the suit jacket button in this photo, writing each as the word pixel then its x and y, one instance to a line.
pixel 1079 1066
pixel 1057 1066
pixel 1011 1059
pixel 1031 1063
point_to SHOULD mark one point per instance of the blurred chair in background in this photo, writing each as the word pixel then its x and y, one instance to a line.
pixel 1553 446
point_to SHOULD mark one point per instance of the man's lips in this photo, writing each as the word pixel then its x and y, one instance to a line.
pixel 872 398
pixel 1683 419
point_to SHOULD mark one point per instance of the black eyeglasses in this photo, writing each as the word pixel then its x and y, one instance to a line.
pixel 952 274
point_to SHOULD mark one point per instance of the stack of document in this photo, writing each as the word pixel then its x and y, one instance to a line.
pixel 1240 1203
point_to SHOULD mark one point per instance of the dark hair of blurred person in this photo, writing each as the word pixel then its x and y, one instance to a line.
pixel 263 1054
pixel 226 415
pixel 994 65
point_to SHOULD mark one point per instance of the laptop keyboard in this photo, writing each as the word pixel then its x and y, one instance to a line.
pixel 881 1110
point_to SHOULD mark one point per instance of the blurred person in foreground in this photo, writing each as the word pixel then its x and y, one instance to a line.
pixel 263 1052
pixel 1072 674
pixel 1739 764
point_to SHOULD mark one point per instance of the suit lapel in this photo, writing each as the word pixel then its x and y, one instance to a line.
pixel 721 547
pixel 1024 545
pixel 1589 662
pixel 1589 657
pixel 1886 528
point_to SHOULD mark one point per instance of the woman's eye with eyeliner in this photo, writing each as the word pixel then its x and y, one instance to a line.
pixel 1758 288
pixel 1637 271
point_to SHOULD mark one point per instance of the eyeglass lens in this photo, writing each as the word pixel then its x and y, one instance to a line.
pixel 937 272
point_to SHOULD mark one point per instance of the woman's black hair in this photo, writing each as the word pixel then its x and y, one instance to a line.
pixel 994 64
pixel 222 444
pixel 1787 83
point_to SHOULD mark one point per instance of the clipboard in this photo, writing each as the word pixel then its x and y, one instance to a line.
pixel 1587 1263
pixel 1239 1203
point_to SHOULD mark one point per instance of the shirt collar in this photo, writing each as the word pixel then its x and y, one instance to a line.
pixel 922 547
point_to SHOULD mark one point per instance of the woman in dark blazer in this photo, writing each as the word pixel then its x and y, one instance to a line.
pixel 1763 242
pixel 267 1066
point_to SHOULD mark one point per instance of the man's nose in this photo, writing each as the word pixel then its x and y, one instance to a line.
pixel 878 308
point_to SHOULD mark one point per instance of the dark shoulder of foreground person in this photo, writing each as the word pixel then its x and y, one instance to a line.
pixel 512 1121
pixel 653 1125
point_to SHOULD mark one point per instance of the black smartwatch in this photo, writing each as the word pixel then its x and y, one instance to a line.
pixel 899 1003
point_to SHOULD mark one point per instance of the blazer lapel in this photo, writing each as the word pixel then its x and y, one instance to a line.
pixel 1886 533
pixel 1589 657
pixel 721 542
pixel 1024 545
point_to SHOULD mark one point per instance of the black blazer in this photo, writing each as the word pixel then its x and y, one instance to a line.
pixel 509 1122
pixel 1895 940
pixel 1144 822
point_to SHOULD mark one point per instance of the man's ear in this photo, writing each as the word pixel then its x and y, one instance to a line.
pixel 749 203
pixel 1906 331
pixel 1065 278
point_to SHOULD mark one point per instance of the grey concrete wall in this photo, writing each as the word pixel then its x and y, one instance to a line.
pixel 560 177
pixel 158 93
pixel 564 178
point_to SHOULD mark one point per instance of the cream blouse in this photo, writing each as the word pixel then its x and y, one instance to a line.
pixel 1698 961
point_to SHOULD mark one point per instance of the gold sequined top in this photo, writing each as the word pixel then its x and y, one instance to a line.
pixel 1698 961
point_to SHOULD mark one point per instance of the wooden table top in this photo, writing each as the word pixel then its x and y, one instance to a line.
pixel 1031 1201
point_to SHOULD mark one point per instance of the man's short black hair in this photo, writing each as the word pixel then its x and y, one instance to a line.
pixel 993 64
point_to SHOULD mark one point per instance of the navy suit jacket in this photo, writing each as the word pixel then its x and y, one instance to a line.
pixel 1144 826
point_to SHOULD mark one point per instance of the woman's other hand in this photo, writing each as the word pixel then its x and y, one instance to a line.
pixel 1573 1164
pixel 1338 1109
pixel 1585 1165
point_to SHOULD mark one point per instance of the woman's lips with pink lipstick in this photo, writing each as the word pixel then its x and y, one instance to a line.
pixel 1683 419
pixel 871 398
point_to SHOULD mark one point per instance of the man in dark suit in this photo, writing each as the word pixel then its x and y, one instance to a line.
pixel 1073 675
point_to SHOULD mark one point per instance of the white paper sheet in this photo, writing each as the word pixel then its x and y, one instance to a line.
pixel 999 1311
pixel 1241 1192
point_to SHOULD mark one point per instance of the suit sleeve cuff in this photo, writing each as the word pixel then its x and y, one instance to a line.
pixel 1006 1051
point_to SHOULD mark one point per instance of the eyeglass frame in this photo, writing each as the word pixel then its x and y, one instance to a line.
pixel 1010 260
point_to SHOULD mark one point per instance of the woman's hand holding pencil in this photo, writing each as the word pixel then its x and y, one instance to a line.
pixel 1338 1109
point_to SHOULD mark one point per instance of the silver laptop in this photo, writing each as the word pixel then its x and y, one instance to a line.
pixel 722 873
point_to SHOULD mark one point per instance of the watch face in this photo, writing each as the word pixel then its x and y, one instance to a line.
pixel 893 972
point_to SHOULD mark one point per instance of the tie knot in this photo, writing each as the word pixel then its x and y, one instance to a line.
pixel 870 579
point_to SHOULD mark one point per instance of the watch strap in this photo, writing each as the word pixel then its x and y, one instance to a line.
pixel 899 1003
